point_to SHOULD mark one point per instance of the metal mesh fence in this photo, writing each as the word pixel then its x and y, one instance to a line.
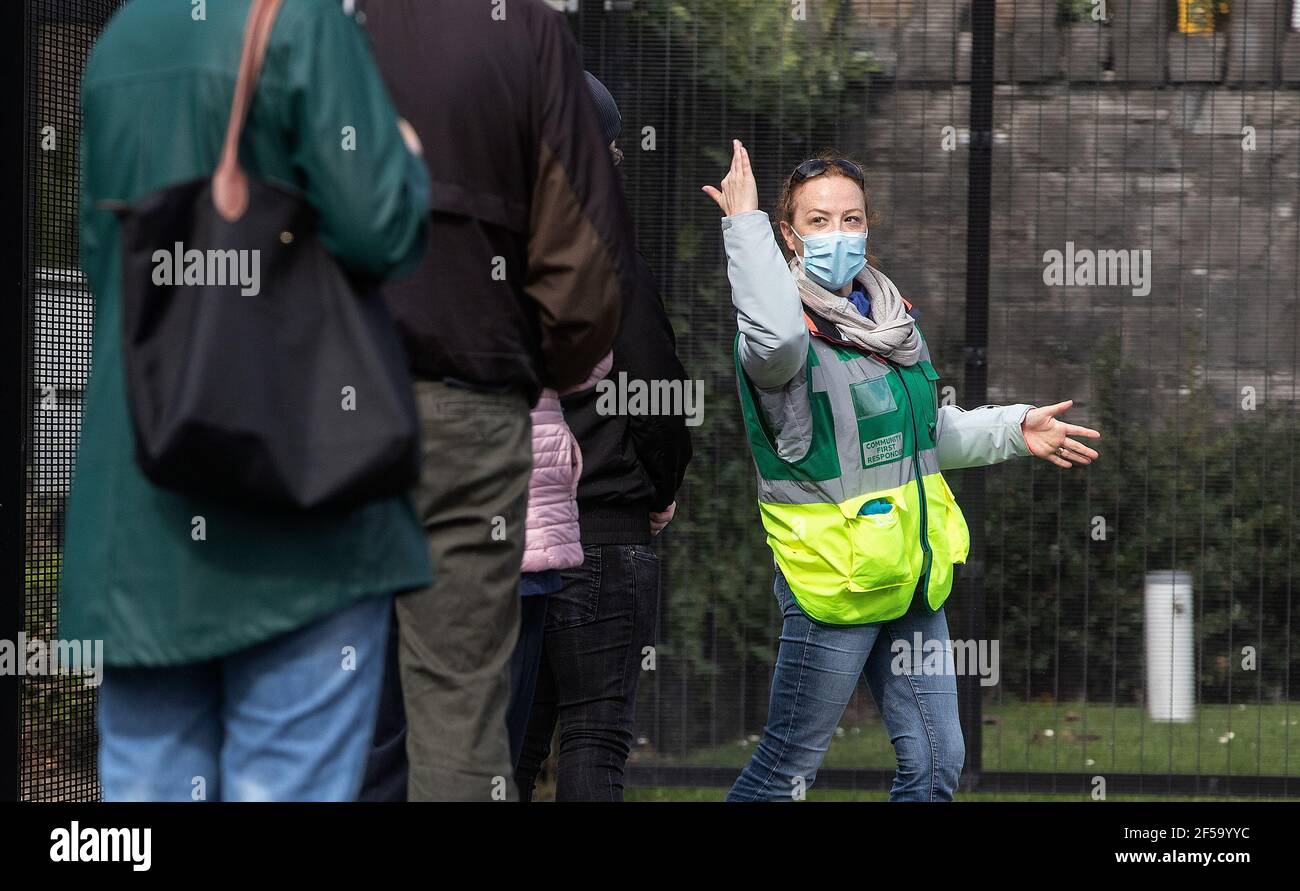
pixel 58 737
pixel 1192 376
pixel 1169 127
pixel 1121 134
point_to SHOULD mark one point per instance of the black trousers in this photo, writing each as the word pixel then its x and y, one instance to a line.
pixel 525 665
pixel 598 627
pixel 385 778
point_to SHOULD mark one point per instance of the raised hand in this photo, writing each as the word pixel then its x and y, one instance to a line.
pixel 1050 439
pixel 739 191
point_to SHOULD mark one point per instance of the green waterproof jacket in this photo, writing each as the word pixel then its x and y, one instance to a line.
pixel 163 578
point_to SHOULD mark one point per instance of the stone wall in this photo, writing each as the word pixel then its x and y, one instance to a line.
pixel 930 40
pixel 1205 177
pixel 1122 136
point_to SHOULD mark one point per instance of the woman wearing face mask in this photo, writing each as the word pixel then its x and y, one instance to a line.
pixel 837 389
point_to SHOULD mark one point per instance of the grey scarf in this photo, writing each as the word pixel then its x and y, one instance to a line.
pixel 891 333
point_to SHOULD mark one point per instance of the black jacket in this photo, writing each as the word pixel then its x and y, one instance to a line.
pixel 631 465
pixel 528 249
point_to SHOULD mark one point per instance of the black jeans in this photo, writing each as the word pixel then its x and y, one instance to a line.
pixel 597 627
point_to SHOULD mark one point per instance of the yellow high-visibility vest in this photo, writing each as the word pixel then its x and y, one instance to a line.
pixel 857 514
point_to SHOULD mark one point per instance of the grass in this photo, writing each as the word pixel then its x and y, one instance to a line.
pixel 1242 739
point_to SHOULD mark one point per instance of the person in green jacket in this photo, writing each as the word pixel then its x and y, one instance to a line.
pixel 849 442
pixel 244 649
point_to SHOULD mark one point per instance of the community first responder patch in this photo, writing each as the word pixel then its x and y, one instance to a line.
pixel 882 450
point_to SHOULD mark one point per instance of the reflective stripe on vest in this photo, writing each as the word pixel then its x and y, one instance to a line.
pixel 849 430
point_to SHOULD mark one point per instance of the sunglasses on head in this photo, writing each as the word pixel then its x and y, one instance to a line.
pixel 817 166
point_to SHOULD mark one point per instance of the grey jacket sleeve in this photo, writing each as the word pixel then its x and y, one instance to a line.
pixel 773 337
pixel 986 435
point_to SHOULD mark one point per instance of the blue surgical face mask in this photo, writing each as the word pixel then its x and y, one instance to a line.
pixel 835 258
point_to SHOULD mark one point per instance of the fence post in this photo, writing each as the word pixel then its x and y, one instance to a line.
pixel 978 213
pixel 13 401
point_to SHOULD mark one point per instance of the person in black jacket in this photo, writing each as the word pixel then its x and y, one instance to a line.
pixel 600 623
pixel 520 289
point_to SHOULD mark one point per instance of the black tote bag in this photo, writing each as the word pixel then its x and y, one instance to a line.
pixel 271 378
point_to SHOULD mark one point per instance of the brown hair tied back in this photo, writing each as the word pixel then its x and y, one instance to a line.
pixel 790 189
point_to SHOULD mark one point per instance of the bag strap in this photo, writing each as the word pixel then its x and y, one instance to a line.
pixel 230 182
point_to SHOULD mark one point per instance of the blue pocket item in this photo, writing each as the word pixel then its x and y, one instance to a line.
pixel 876 506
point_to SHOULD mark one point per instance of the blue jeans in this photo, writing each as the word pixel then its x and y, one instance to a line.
pixel 287 720
pixel 817 669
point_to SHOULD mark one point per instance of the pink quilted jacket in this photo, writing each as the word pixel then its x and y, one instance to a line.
pixel 552 541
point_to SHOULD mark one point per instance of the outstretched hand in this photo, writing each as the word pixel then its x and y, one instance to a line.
pixel 1050 439
pixel 739 191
